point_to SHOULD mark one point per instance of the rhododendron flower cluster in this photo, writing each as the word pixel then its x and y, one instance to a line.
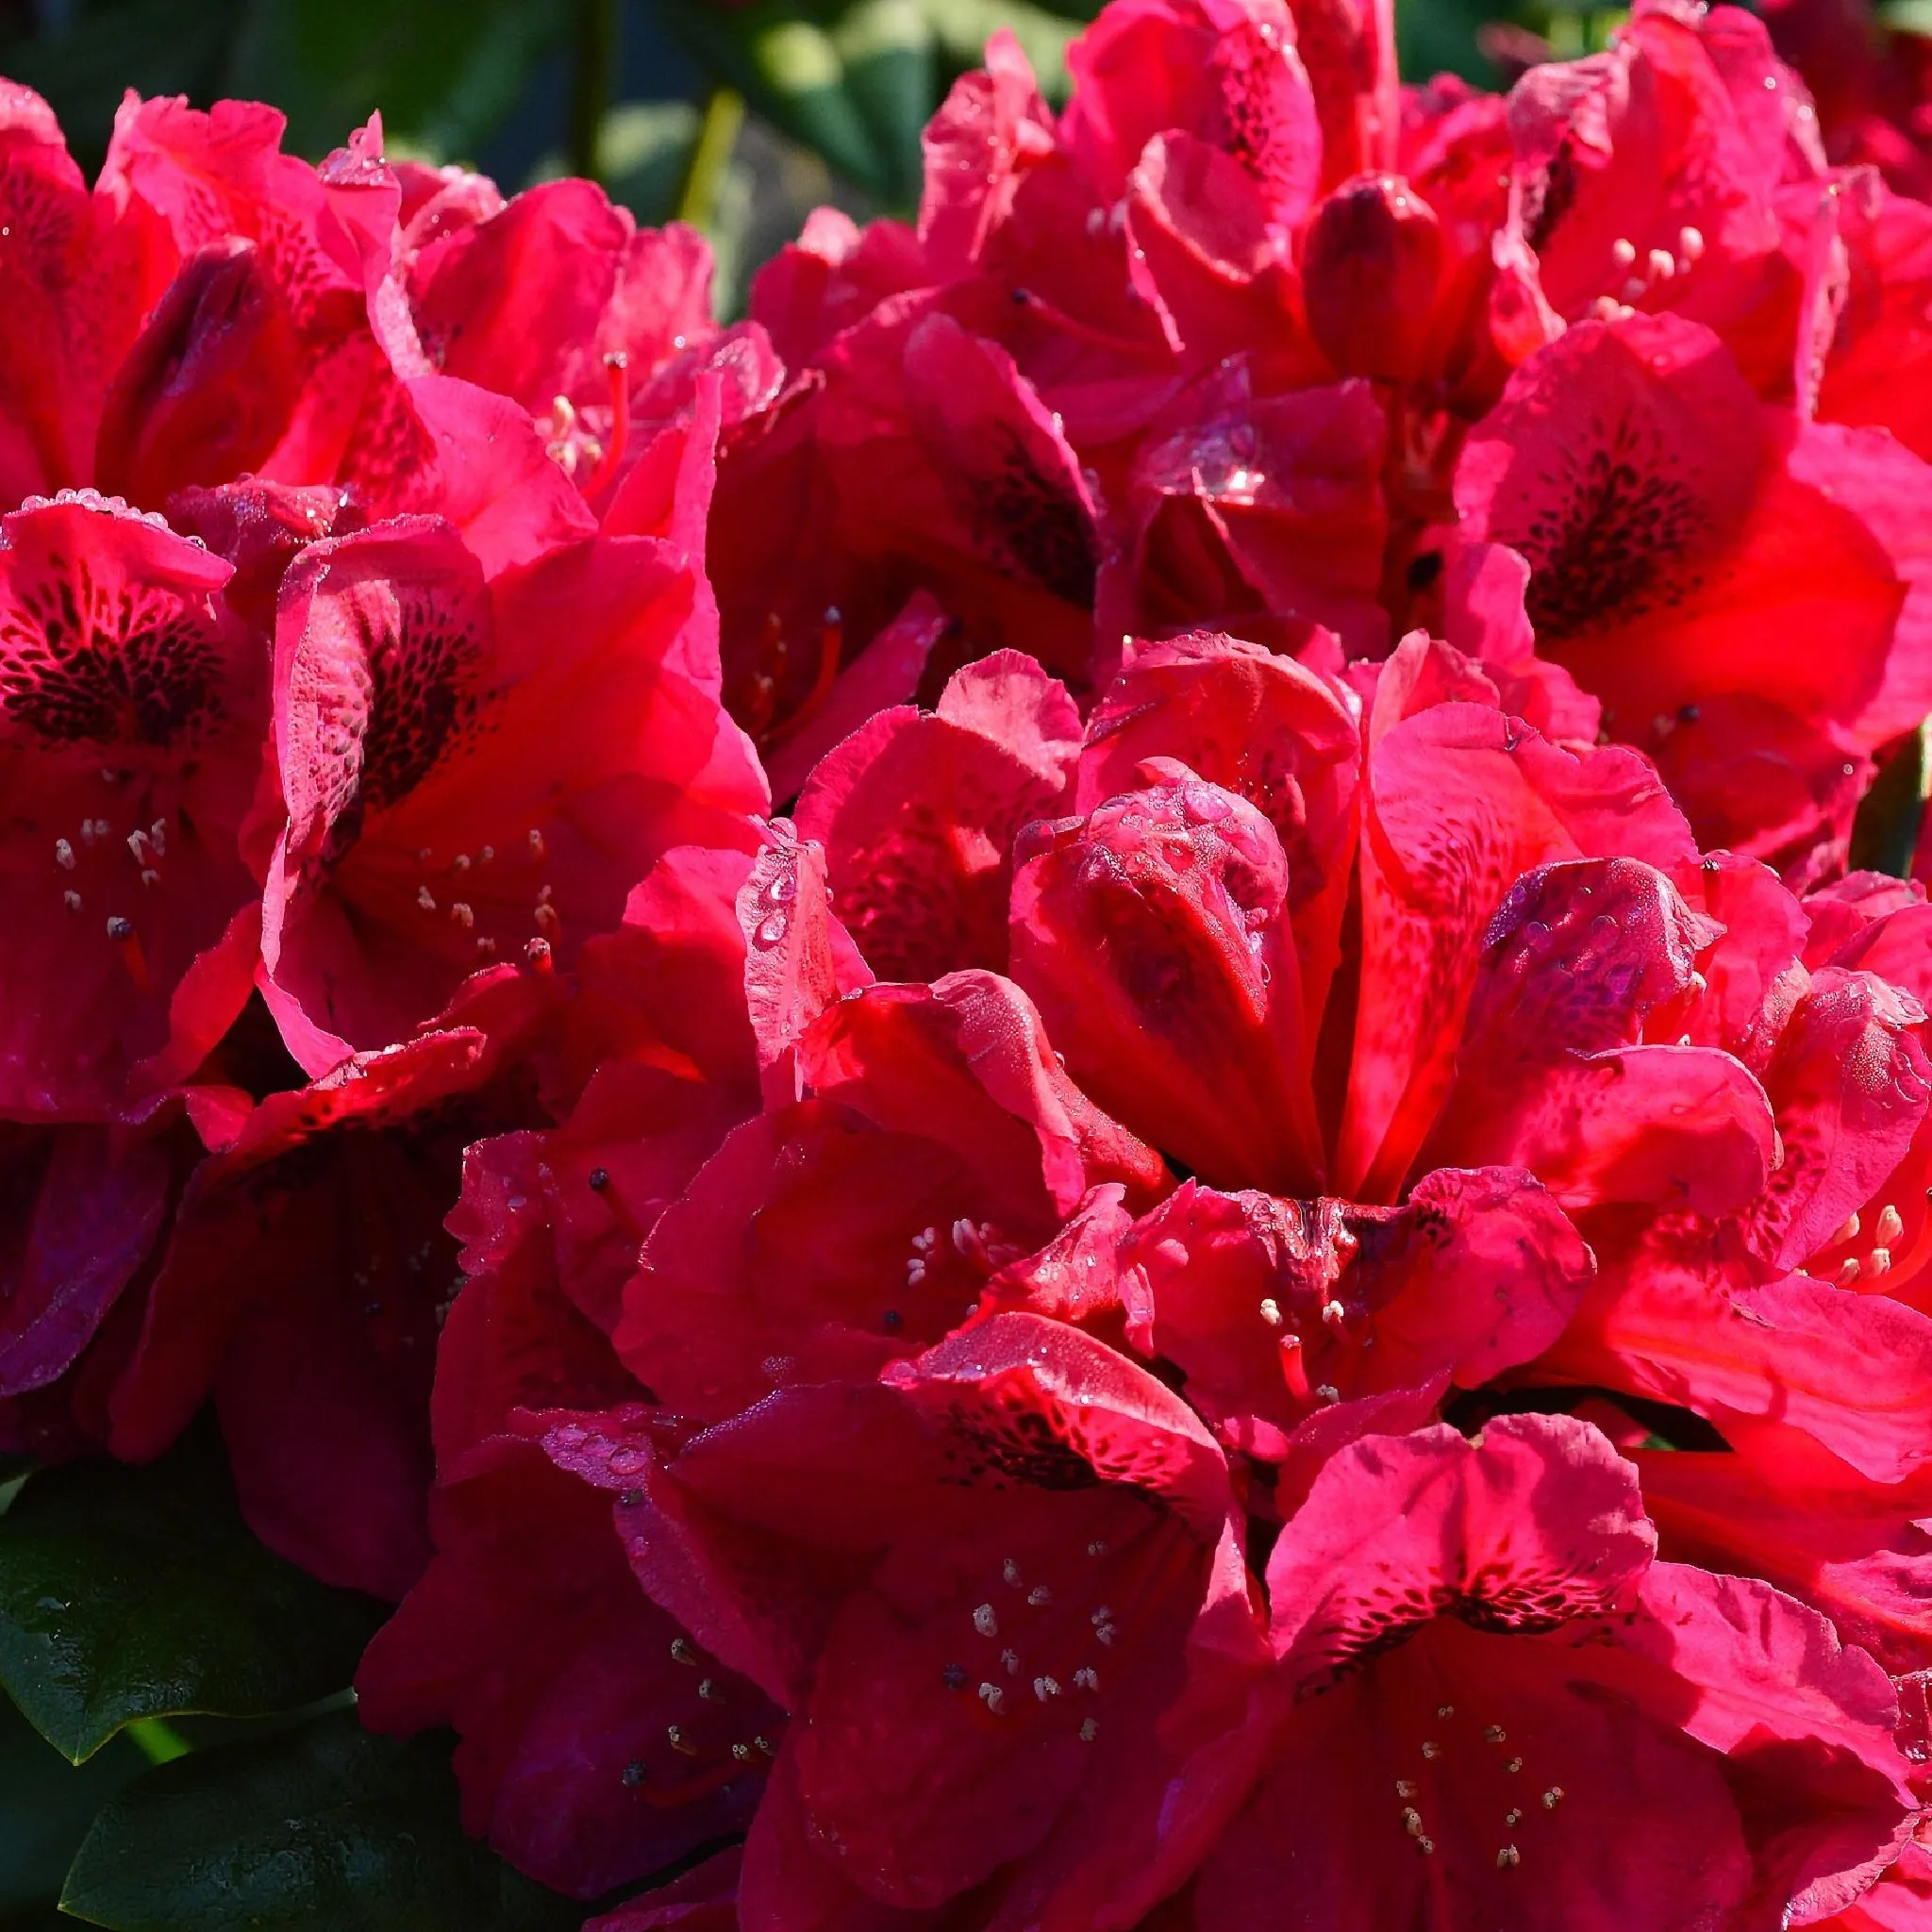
pixel 1047 1092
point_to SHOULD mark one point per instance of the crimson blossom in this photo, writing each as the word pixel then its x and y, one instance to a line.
pixel 1467 1078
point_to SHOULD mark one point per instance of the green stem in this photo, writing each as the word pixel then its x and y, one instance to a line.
pixel 593 81
pixel 710 156
pixel 157 1741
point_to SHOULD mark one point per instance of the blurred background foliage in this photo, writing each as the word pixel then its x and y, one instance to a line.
pixel 737 116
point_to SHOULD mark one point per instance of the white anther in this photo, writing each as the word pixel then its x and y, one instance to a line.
pixel 71 900
pixel 425 899
pixel 1271 1312
pixel 1333 1313
pixel 1493 1733
pixel 1849 1232
pixel 536 843
pixel 1431 1749
pixel 1097 1547
pixel 63 856
pixel 1445 1710
pixel 1010 1659
pixel 1879 1261
pixel 1847 1275
pixel 985 1622
pixel 1662 264
pixel 1044 1688
pixel 137 844
pixel 1088 1730
pixel 462 915
pixel 1553 1797
pixel 1689 244
pixel 1405 1788
pixel 1412 1821
pixel 1506 1857
pixel 1623 252
pixel 1011 1571
pixel 158 833
pixel 1891 1226
pixel 1512 1816
pixel 1328 1392
pixel 149 877
pixel 1087 1678
pixel 1039 1596
pixel 993 1697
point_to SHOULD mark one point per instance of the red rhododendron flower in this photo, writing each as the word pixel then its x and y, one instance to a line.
pixel 596 1736
pixel 303 1286
pixel 84 1210
pixel 967 1579
pixel 1655 507
pixel 1868 81
pixel 917 813
pixel 133 704
pixel 1479 1665
pixel 444 808
pixel 1680 171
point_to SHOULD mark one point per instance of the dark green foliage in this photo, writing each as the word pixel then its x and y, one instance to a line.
pixel 323 1828
pixel 129 1594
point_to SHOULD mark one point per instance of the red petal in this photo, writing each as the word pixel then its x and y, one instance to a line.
pixel 918 815
pixel 131 705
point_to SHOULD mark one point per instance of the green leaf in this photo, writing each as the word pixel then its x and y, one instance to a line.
pixel 321 1829
pixel 159 46
pixel 443 72
pixel 46 1806
pixel 1906 16
pixel 1045 33
pixel 1439 36
pixel 643 155
pixel 128 1594
pixel 892 72
pixel 1885 834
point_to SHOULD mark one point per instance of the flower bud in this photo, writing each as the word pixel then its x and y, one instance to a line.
pixel 1368 271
